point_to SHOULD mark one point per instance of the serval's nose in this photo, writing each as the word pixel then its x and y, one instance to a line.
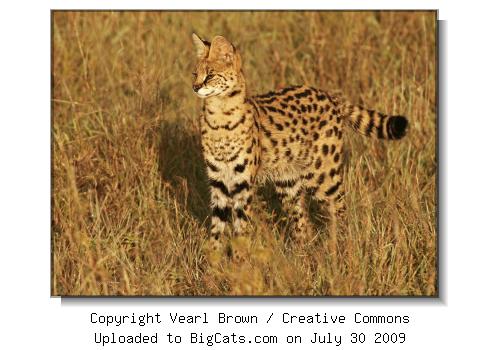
pixel 197 87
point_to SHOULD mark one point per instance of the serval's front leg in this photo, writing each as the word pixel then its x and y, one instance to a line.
pixel 221 213
pixel 242 194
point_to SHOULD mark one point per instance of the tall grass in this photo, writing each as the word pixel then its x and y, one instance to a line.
pixel 130 195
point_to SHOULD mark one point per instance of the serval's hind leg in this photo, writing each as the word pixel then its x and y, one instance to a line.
pixel 292 195
pixel 336 211
pixel 331 192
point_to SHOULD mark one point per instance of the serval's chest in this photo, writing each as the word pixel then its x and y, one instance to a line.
pixel 230 144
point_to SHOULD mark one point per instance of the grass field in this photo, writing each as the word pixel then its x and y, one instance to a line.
pixel 129 191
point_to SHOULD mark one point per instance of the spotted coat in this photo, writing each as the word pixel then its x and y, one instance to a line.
pixel 293 137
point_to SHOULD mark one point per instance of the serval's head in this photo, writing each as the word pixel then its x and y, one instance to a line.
pixel 218 70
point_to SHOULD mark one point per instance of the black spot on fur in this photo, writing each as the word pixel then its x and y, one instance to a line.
pixel 332 189
pixel 271 109
pixel 333 171
pixel 269 94
pixel 317 165
pixel 219 185
pixel 241 167
pixel 222 213
pixel 325 149
pixel 212 167
pixel 235 156
pixel 290 88
pixel 285 183
pixel 249 149
pixel 234 93
pixel 312 190
pixel 240 214
pixel 308 176
pixel 321 178
pixel 332 149
pixel 240 121
pixel 266 132
pixel 305 93
pixel 240 187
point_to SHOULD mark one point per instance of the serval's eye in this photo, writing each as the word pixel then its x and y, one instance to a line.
pixel 194 74
pixel 208 77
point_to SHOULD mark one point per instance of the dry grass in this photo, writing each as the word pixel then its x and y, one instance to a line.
pixel 129 200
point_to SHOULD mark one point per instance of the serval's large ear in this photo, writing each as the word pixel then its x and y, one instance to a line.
pixel 221 50
pixel 201 46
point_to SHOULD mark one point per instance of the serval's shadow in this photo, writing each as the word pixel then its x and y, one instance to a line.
pixel 182 167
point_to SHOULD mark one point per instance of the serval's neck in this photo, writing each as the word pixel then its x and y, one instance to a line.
pixel 225 106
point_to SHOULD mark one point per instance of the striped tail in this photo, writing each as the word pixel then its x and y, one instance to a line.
pixel 376 125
